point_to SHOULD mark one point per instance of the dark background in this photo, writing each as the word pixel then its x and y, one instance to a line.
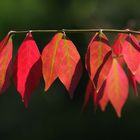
pixel 52 115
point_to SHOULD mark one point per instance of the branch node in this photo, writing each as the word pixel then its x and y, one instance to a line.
pixel 64 33
pixel 100 31
pixel 11 32
pixel 30 31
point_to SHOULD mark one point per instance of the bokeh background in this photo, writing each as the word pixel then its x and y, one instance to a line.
pixel 52 115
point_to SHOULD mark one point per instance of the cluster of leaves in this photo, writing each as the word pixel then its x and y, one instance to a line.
pixel 60 59
pixel 105 65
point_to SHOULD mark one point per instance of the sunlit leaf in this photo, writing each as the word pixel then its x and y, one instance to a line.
pixel 51 60
pixel 70 65
pixel 27 68
pixel 117 87
pixel 96 52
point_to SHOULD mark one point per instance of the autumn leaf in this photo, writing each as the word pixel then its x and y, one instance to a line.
pixel 6 49
pixel 117 87
pixel 27 68
pixel 96 52
pixel 70 65
pixel 131 53
pixel 117 45
pixel 51 60
pixel 61 60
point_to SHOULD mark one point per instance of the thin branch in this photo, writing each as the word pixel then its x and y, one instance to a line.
pixel 77 31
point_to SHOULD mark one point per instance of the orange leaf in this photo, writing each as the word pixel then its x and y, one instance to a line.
pixel 51 60
pixel 70 65
pixel 117 87
pixel 61 60
pixel 96 52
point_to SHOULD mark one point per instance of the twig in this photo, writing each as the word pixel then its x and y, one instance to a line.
pixel 76 31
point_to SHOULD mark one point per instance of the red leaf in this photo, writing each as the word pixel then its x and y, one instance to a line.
pixel 27 68
pixel 51 60
pixel 6 49
pixel 96 52
pixel 70 65
pixel 131 53
pixel 117 46
pixel 117 87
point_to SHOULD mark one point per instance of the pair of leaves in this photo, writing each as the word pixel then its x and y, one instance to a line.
pixel 59 59
pixel 108 79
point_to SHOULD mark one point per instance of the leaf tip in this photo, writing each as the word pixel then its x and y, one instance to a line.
pixel 103 108
pixel 119 114
pixel 25 102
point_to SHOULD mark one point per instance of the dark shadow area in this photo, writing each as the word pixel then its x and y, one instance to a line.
pixel 76 77
pixel 33 80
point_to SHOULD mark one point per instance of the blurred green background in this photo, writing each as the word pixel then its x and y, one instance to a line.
pixel 53 115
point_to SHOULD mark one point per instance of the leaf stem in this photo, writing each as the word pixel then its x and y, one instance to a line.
pixel 76 31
